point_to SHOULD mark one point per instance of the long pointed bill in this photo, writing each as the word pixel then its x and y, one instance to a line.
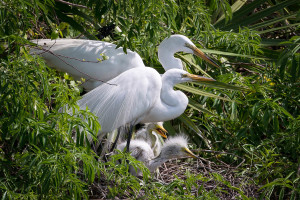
pixel 199 78
pixel 186 150
pixel 202 55
pixel 161 131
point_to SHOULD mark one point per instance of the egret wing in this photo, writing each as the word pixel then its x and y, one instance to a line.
pixel 96 61
pixel 131 96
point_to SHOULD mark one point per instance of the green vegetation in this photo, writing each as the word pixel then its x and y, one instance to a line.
pixel 251 114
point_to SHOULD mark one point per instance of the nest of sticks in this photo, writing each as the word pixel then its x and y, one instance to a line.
pixel 229 186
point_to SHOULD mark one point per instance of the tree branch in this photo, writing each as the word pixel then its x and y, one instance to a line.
pixel 71 4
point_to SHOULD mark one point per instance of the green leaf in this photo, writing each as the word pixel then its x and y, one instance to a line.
pixel 266 118
pixel 233 115
pixel 193 104
pixel 187 60
pixel 199 92
pixel 54 35
pixel 168 126
pixel 278 28
pixel 272 42
pixel 283 110
pixel 75 24
pixel 275 124
pixel 241 13
pixel 236 6
pixel 281 194
pixel 232 54
pixel 221 85
pixel 245 21
pixel 272 21
pixel 295 68
pixel 189 123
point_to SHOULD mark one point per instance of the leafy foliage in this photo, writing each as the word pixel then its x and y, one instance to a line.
pixel 38 154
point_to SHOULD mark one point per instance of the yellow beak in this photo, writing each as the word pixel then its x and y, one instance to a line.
pixel 202 55
pixel 186 150
pixel 161 131
pixel 199 78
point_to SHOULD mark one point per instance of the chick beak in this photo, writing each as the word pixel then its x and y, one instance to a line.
pixel 161 131
pixel 186 150
pixel 202 55
pixel 199 78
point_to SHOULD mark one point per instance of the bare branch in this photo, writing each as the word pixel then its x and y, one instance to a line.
pixel 71 4
pixel 242 63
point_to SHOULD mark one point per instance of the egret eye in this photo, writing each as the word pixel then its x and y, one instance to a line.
pixel 184 75
pixel 189 46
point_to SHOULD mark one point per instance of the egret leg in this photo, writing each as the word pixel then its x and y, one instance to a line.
pixel 117 138
pixel 129 137
pixel 93 146
pixel 98 149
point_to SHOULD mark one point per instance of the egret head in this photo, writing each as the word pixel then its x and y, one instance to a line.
pixel 177 43
pixel 176 147
pixel 158 128
pixel 199 53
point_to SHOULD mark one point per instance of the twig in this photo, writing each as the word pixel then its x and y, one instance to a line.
pixel 222 152
pixel 203 166
pixel 298 172
pixel 242 63
pixel 71 4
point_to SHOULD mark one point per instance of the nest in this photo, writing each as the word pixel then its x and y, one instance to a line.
pixel 227 186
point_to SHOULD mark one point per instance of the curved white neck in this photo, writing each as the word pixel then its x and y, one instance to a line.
pixel 168 47
pixel 151 138
pixel 170 105
pixel 167 59
pixel 168 95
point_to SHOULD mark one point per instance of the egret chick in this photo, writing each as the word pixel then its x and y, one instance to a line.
pixel 151 133
pixel 174 147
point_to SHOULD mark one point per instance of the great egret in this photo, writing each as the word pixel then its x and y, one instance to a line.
pixel 174 147
pixel 139 95
pixel 150 134
pixel 85 58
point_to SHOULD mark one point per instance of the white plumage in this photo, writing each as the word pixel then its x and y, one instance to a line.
pixel 80 58
pixel 135 93
pixel 140 95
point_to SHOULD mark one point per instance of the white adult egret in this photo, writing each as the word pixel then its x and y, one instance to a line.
pixel 174 147
pixel 82 58
pixel 139 95
pixel 151 133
